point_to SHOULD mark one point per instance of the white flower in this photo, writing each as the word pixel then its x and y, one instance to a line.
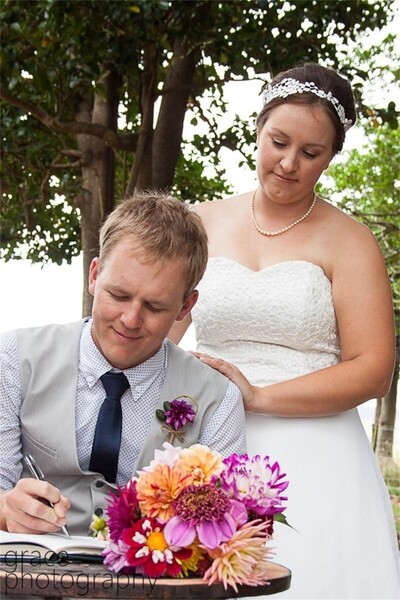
pixel 169 456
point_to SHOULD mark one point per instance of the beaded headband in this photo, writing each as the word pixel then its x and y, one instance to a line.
pixel 289 86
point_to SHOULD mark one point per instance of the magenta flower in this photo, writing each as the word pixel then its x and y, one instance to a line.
pixel 255 482
pixel 175 416
pixel 205 511
pixel 176 413
pixel 179 413
pixel 122 510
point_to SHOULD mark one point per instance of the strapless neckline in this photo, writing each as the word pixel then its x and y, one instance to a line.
pixel 281 264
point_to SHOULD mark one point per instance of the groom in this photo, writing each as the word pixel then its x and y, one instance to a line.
pixel 60 400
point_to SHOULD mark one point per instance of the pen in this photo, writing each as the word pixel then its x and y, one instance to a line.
pixel 38 474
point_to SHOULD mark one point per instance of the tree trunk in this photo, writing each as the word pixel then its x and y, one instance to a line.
pixel 96 198
pixel 168 133
pixel 387 418
pixel 385 431
pixel 375 424
pixel 141 175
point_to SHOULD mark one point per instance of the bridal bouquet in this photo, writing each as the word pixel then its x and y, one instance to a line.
pixel 193 513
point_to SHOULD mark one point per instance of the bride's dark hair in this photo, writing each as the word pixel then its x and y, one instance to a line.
pixel 325 79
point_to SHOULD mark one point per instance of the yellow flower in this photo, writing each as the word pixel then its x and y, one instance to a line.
pixel 157 489
pixel 242 559
pixel 201 463
pixel 156 541
pixel 190 565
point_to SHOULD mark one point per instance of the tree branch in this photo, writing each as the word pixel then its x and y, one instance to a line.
pixel 109 137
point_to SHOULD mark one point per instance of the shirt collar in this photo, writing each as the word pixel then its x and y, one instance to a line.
pixel 93 364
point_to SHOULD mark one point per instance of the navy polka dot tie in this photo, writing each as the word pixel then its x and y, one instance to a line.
pixel 107 436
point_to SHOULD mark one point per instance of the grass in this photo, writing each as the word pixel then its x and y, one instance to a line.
pixel 396 511
pixel 391 474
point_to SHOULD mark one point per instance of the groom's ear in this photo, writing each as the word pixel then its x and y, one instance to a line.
pixel 188 305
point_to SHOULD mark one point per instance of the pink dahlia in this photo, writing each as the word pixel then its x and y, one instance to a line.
pixel 149 552
pixel 205 511
pixel 122 510
pixel 256 482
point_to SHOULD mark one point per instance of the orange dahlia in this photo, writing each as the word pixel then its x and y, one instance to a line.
pixel 157 489
pixel 201 462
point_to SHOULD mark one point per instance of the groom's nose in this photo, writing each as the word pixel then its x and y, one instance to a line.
pixel 132 316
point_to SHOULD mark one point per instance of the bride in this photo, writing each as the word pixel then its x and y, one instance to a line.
pixel 295 307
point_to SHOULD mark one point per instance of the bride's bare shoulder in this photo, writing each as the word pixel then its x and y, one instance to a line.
pixel 214 208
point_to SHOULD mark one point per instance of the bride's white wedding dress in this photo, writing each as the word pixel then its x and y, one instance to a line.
pixel 277 324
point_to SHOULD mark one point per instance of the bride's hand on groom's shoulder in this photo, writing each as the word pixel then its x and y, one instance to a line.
pixel 233 373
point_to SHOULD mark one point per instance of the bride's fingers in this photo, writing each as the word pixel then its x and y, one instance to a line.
pixel 216 363
pixel 230 371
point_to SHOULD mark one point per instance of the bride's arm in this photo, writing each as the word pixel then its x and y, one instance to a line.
pixel 364 312
pixel 324 392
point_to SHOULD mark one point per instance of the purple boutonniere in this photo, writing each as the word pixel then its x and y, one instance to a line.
pixel 175 416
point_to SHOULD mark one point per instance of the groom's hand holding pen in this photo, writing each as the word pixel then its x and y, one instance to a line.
pixel 37 473
pixel 33 505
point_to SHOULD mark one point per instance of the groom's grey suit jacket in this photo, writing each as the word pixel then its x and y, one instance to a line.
pixel 49 358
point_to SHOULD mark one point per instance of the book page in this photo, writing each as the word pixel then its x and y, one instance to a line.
pixel 50 541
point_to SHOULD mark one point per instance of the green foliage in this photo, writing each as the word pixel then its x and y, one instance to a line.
pixel 190 182
pixel 55 55
pixel 36 223
pixel 379 70
pixel 367 186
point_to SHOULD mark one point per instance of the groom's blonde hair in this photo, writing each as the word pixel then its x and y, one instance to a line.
pixel 163 227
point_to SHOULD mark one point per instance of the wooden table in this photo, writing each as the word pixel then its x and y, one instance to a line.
pixel 80 580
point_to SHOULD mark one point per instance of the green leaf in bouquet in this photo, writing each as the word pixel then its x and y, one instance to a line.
pixel 281 518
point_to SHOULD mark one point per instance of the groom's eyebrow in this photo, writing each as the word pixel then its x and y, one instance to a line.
pixel 157 302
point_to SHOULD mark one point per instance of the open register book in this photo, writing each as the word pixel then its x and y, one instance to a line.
pixel 46 545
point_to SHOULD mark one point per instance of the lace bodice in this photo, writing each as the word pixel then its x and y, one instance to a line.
pixel 274 324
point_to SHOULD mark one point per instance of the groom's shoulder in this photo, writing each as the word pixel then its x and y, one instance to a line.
pixel 196 366
pixel 51 328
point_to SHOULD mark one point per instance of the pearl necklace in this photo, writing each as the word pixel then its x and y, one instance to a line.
pixel 284 229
